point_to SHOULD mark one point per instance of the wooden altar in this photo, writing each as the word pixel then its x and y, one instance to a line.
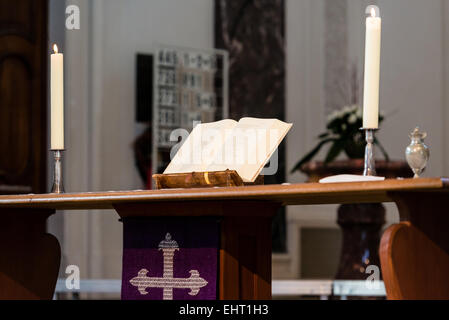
pixel 414 253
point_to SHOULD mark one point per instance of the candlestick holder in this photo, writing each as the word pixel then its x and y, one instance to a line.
pixel 370 167
pixel 58 186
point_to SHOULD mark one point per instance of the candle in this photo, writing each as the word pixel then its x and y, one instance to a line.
pixel 57 100
pixel 372 69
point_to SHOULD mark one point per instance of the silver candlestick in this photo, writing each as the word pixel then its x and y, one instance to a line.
pixel 58 186
pixel 370 168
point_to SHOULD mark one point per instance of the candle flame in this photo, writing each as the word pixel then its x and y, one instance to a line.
pixel 55 48
pixel 373 12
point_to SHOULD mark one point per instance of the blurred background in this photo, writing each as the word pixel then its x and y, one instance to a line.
pixel 296 60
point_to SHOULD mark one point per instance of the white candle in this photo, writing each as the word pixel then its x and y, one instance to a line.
pixel 372 70
pixel 57 100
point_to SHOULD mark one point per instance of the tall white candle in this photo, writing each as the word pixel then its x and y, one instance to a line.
pixel 372 69
pixel 57 100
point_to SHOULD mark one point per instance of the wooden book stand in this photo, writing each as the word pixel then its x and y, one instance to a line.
pixel 228 178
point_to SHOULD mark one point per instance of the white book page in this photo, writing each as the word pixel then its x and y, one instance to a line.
pixel 251 145
pixel 201 147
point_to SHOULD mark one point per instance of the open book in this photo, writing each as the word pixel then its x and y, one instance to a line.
pixel 244 146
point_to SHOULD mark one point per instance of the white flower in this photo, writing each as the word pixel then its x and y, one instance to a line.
pixel 332 116
pixel 352 119
pixel 346 109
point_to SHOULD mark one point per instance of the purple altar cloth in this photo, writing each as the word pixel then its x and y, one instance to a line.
pixel 170 258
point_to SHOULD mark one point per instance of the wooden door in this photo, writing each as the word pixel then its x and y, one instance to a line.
pixel 23 87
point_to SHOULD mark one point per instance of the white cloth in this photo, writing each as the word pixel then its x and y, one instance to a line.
pixel 350 178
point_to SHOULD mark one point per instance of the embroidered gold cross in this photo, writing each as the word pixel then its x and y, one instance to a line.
pixel 168 282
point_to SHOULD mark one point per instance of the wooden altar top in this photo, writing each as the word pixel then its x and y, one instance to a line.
pixel 287 194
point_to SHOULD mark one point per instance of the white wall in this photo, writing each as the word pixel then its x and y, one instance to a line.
pixel 182 23
pixel 414 91
pixel 412 76
pixel 100 99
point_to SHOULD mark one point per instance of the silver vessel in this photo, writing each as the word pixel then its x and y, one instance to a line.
pixel 417 153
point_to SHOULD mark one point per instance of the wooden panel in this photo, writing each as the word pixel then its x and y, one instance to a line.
pixel 306 193
pixel 15 114
pixel 413 266
pixel 415 254
pixel 30 258
pixel 192 208
pixel 245 258
pixel 429 213
pixel 245 254
pixel 18 18
pixel 23 87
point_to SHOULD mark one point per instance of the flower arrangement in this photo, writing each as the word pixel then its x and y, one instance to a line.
pixel 343 132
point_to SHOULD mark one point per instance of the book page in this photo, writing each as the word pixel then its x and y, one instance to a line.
pixel 201 148
pixel 252 143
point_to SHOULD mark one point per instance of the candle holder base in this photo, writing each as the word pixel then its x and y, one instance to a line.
pixel 58 186
pixel 369 166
